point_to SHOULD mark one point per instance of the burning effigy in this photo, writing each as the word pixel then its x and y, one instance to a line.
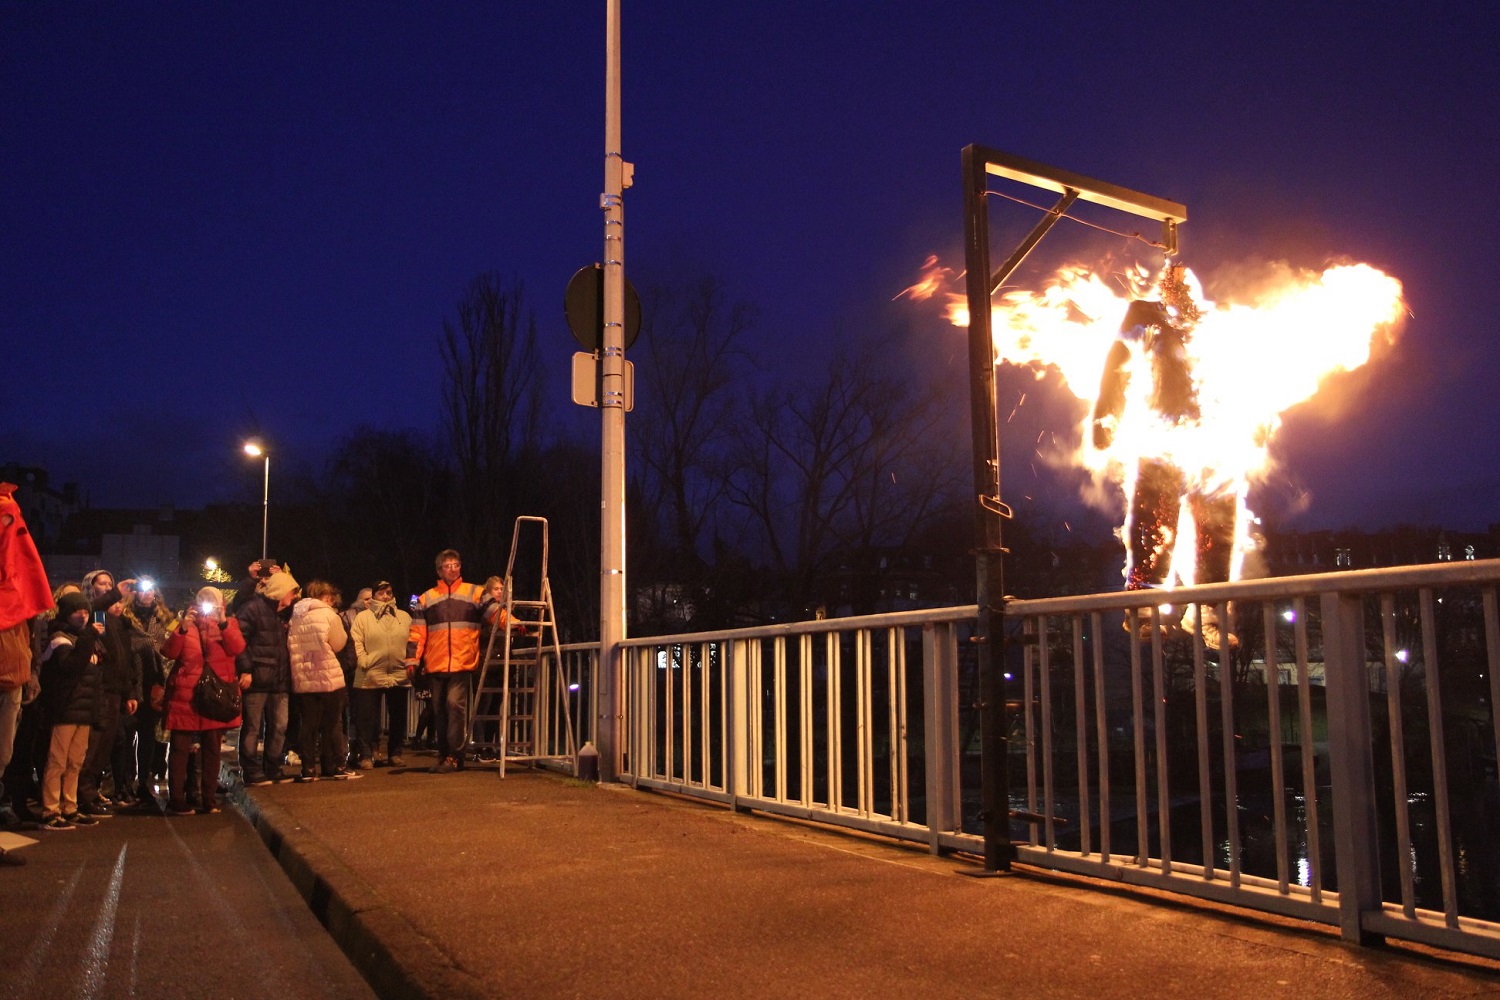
pixel 1183 395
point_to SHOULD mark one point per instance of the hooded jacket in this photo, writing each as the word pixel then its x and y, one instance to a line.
pixel 266 658
pixel 118 665
pixel 314 640
pixel 71 675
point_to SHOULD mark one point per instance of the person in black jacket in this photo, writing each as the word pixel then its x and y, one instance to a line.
pixel 148 622
pixel 119 693
pixel 263 608
pixel 71 682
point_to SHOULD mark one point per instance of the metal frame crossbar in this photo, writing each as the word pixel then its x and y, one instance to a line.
pixel 978 163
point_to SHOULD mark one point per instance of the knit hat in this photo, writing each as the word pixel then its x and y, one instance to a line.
pixel 70 603
pixel 278 585
pixel 382 585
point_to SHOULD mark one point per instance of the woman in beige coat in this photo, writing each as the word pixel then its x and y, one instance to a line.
pixel 379 634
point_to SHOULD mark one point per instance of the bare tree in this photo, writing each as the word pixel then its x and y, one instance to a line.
pixel 491 414
pixel 388 490
pixel 689 363
pixel 838 472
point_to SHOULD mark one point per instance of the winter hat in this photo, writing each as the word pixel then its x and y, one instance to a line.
pixel 278 585
pixel 70 603
pixel 382 585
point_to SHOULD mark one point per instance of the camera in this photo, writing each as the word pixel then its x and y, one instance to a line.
pixel 145 585
pixel 208 608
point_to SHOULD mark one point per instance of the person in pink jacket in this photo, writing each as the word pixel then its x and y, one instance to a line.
pixel 207 639
pixel 316 636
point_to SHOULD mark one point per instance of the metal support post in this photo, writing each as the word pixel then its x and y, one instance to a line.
pixel 989 635
pixel 612 418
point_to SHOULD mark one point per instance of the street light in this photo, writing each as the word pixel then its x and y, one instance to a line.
pixel 256 450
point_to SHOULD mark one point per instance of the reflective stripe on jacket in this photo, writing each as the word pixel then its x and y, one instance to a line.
pixel 446 627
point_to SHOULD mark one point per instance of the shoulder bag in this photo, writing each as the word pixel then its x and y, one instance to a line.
pixel 214 698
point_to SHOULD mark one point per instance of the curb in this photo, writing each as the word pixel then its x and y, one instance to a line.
pixel 396 960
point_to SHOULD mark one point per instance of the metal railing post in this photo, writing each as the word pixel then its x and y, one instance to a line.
pixel 737 728
pixel 940 750
pixel 1351 765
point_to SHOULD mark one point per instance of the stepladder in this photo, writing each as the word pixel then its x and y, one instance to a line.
pixel 521 707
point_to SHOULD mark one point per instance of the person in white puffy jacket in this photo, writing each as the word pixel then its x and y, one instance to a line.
pixel 316 636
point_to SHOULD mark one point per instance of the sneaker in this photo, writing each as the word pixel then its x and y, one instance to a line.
pixel 81 819
pixel 366 764
pixel 305 779
pixel 397 761
pixel 210 811
pixel 444 766
pixel 181 810
pixel 344 774
pixel 98 808
pixel 259 782
pixel 56 823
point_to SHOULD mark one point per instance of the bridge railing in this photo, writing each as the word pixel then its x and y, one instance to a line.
pixel 1334 762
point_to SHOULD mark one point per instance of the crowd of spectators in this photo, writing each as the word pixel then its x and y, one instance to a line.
pixel 109 717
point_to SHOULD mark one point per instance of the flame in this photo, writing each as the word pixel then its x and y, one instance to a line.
pixel 1249 362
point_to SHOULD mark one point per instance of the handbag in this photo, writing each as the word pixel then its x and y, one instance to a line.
pixel 213 697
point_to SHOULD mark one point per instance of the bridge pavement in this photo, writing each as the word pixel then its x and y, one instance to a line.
pixel 464 886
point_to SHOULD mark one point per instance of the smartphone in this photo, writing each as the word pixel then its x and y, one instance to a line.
pixel 98 617
pixel 145 585
pixel 208 608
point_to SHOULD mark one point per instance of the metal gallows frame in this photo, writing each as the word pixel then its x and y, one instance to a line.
pixel 978 163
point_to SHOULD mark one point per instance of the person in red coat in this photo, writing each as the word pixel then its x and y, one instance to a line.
pixel 206 636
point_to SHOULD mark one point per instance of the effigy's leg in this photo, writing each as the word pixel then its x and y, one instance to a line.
pixel 1214 517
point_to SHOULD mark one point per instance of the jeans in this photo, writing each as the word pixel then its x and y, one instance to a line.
pixel 450 706
pixel 263 711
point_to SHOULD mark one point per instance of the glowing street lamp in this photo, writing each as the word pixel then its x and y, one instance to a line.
pixel 256 449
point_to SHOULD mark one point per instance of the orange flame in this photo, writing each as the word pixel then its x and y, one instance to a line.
pixel 1250 361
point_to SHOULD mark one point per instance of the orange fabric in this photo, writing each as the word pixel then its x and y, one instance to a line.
pixel 24 590
pixel 446 627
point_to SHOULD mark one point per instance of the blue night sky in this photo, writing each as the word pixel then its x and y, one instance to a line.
pixel 220 218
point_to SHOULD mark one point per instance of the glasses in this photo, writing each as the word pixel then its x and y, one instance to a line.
pixel 452 565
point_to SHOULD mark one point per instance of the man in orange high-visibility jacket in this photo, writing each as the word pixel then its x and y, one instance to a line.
pixel 445 631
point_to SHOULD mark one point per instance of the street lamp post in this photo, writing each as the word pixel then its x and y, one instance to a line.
pixel 257 450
